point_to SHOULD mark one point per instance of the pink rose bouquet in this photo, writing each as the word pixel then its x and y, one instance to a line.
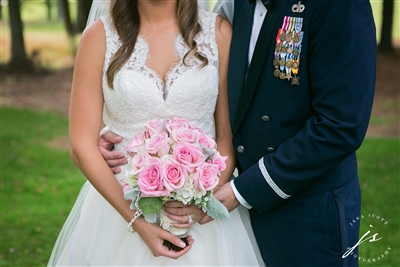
pixel 173 160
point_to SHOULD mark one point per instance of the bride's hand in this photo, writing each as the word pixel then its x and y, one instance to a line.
pixel 153 235
pixel 184 215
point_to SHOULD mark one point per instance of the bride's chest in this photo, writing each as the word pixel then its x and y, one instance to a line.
pixel 135 88
pixel 138 85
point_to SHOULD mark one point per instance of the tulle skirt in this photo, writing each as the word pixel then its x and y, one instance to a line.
pixel 95 235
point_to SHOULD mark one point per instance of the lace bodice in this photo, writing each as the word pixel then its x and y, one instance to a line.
pixel 140 94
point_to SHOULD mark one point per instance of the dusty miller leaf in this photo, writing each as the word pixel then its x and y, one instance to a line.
pixel 216 210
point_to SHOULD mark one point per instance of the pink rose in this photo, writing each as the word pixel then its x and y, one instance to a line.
pixel 154 127
pixel 139 161
pixel 184 134
pixel 150 180
pixel 158 144
pixel 206 178
pixel 134 145
pixel 174 175
pixel 219 161
pixel 206 140
pixel 176 123
pixel 190 155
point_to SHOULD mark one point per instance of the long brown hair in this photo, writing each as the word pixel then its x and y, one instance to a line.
pixel 125 16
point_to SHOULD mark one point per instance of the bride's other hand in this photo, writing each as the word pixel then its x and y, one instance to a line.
pixel 153 235
pixel 184 215
pixel 106 143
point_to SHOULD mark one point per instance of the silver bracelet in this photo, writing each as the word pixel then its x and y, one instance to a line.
pixel 129 228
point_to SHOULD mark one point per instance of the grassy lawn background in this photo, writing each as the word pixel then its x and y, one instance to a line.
pixel 39 184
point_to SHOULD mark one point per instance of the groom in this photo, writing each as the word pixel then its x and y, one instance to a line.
pixel 301 85
pixel 299 110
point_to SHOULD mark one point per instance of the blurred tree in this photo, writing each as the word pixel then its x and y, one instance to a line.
pixel 1 12
pixel 65 14
pixel 385 44
pixel 19 60
pixel 83 7
pixel 83 13
pixel 48 6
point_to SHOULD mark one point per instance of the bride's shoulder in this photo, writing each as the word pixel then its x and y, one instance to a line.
pixel 93 36
pixel 223 28
pixel 94 31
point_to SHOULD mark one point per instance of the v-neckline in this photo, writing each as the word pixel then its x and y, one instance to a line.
pixel 163 81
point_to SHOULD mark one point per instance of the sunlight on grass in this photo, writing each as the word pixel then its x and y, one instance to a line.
pixel 387 120
pixel 53 50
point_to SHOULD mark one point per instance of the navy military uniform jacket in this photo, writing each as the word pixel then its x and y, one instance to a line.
pixel 295 142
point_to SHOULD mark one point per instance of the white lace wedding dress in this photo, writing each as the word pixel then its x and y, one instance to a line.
pixel 94 233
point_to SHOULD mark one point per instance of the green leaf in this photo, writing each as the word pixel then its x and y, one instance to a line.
pixel 150 205
pixel 217 210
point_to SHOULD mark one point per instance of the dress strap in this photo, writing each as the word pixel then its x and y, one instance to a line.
pixel 206 41
pixel 112 39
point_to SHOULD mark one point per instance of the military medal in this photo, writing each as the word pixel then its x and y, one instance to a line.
pixel 295 65
pixel 288 48
pixel 295 81
pixel 282 37
pixel 296 52
pixel 276 63
pixel 296 38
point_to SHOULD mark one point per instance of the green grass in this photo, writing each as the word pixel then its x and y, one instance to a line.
pixel 39 185
pixel 379 171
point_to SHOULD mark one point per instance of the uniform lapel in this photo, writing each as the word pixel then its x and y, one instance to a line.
pixel 257 62
pixel 238 58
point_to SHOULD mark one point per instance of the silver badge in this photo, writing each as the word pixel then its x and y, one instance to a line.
pixel 298 8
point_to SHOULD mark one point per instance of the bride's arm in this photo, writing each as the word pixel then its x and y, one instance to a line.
pixel 223 31
pixel 85 122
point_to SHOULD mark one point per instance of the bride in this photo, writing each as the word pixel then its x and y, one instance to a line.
pixel 148 59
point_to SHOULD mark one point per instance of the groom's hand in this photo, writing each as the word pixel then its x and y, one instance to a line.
pixel 227 197
pixel 105 145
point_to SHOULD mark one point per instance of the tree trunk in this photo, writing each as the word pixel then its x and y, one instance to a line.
pixel 1 12
pixel 83 13
pixel 19 60
pixel 48 6
pixel 64 6
pixel 387 26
